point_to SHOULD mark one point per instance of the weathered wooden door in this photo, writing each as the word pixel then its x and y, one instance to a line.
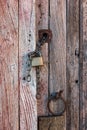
pixel 65 61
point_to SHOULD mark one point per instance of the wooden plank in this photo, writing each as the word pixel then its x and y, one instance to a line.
pixel 9 65
pixel 83 65
pixel 42 23
pixel 57 52
pixel 72 91
pixel 27 43
pixel 58 46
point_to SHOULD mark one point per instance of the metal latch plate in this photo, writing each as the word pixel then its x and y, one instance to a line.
pixel 51 123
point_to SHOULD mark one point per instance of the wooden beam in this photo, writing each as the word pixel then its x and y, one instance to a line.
pixel 72 72
pixel 9 65
pixel 42 23
pixel 27 43
pixel 57 51
pixel 58 46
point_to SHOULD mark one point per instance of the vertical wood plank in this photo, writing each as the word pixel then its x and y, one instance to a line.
pixel 72 65
pixel 58 46
pixel 27 43
pixel 42 23
pixel 57 50
pixel 83 65
pixel 9 65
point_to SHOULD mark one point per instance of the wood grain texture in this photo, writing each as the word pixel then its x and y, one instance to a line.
pixel 72 71
pixel 9 65
pixel 57 52
pixel 42 23
pixel 27 43
pixel 83 65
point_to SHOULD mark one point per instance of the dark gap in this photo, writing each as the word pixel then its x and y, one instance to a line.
pixel 80 61
pixel 68 89
pixel 48 52
pixel 18 68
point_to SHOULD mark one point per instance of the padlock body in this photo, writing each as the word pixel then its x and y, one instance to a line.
pixel 37 61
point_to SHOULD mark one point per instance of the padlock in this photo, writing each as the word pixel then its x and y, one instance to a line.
pixel 37 61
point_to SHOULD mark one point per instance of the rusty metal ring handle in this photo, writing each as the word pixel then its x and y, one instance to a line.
pixel 57 97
